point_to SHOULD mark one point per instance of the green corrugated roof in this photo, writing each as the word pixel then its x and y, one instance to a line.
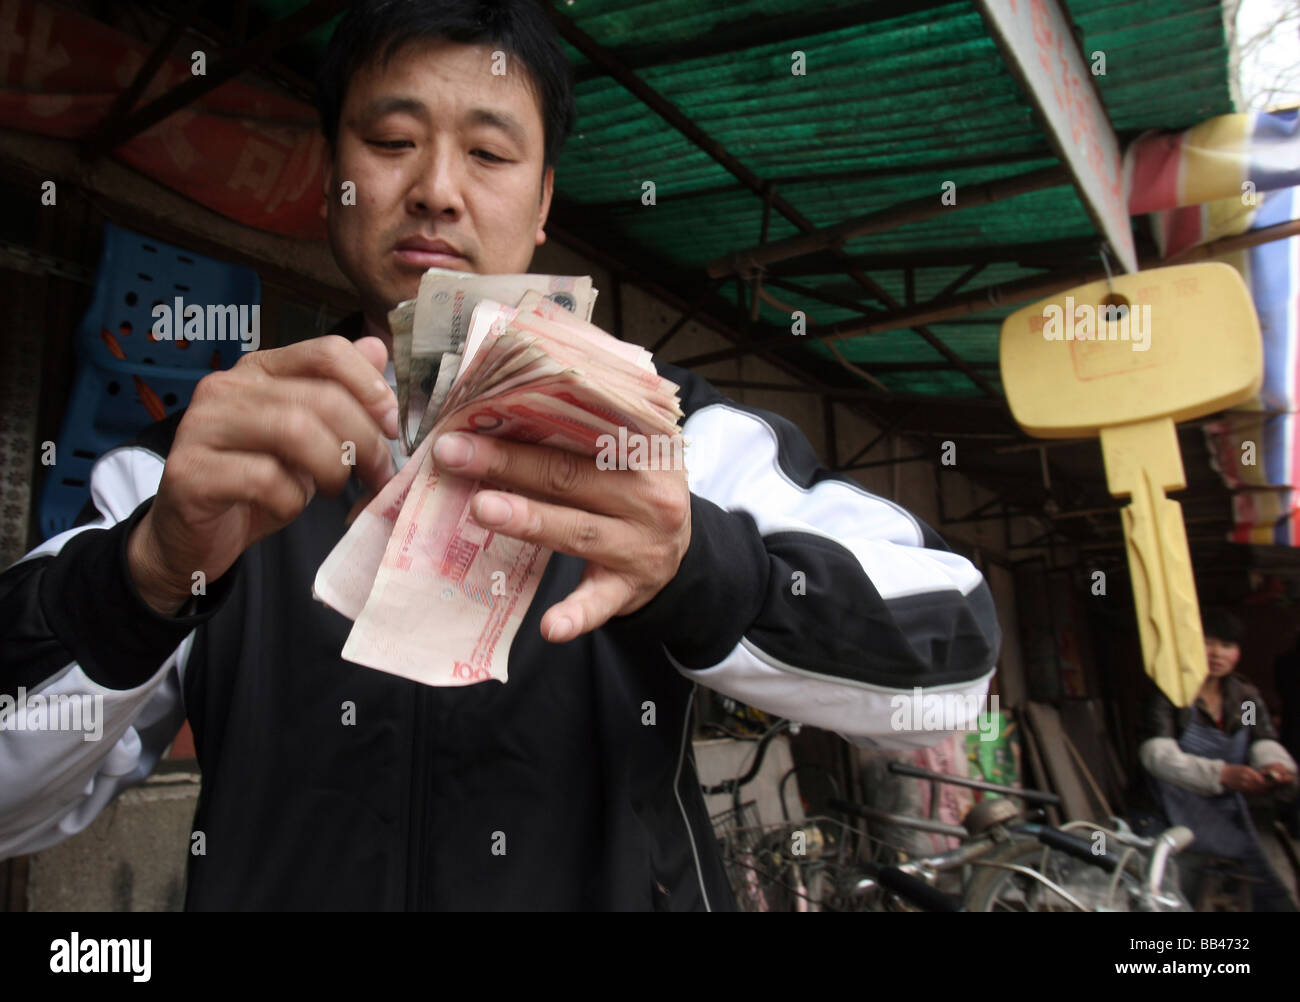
pixel 887 111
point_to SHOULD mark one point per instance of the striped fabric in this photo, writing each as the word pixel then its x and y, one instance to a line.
pixel 1224 177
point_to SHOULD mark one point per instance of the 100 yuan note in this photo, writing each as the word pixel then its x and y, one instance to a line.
pixel 343 582
pixel 450 595
pixel 401 320
pixel 443 311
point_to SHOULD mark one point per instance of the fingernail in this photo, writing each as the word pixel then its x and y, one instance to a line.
pixel 491 509
pixel 390 423
pixel 453 450
pixel 560 628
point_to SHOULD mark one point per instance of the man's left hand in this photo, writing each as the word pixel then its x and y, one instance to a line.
pixel 631 526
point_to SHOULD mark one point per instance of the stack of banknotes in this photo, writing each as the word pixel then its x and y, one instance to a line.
pixel 434 596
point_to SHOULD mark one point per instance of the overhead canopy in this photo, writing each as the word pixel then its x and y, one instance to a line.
pixel 889 110
pixel 895 98
pixel 755 120
pixel 758 121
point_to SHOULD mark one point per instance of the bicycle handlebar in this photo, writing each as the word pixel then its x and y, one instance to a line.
pixel 917 891
pixel 1179 837
pixel 735 783
pixel 1079 848
pixel 1168 844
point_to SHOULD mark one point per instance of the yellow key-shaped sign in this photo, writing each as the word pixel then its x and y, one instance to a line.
pixel 1125 360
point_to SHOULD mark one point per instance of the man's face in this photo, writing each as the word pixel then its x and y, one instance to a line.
pixel 447 161
pixel 1221 656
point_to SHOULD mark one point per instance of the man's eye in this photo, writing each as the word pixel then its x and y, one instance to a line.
pixel 390 144
pixel 490 157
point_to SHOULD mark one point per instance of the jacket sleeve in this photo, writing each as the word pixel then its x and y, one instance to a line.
pixel 90 684
pixel 1164 760
pixel 1265 749
pixel 806 596
pixel 1159 729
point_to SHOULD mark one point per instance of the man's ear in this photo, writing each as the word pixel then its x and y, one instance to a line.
pixel 548 189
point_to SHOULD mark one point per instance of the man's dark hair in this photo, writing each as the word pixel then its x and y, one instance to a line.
pixel 374 30
pixel 1222 624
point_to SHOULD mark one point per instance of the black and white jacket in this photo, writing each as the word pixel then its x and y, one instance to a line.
pixel 548 792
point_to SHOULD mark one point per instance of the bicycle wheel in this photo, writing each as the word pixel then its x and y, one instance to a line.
pixel 996 888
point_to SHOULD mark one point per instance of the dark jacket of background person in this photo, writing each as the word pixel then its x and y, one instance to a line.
pixel 1188 789
pixel 1163 724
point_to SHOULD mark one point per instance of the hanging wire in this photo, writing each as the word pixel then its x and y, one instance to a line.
pixel 1105 263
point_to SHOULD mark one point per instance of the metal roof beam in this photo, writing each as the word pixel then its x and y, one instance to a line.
pixel 830 298
pixel 669 112
pixel 847 394
pixel 280 34
pixel 592 246
pixel 926 335
pixel 675 117
pixel 1038 286
pixel 916 210
pixel 889 429
pixel 1007 294
pixel 888 367
pixel 725 39
pixel 291 80
pixel 960 280
pixel 1042 255
pixel 909 173
pixel 144 76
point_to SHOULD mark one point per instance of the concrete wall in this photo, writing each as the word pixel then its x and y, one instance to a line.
pixel 131 859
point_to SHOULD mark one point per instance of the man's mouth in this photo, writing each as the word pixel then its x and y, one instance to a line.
pixel 422 253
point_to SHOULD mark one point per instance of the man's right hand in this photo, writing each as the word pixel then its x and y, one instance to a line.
pixel 255 444
pixel 1243 779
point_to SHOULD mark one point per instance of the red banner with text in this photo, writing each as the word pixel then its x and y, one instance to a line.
pixel 246 152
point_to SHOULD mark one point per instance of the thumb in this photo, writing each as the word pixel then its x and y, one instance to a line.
pixel 374 350
pixel 600 595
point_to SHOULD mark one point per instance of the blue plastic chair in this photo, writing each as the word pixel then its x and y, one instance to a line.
pixel 125 378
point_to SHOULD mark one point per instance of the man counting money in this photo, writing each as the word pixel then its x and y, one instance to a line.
pixel 756 572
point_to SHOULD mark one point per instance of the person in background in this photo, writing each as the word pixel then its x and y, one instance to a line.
pixel 1203 759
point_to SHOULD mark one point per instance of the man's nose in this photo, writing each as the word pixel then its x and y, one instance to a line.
pixel 436 187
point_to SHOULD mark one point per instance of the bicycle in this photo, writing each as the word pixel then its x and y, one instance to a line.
pixel 1006 860
pixel 784 866
pixel 1009 863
